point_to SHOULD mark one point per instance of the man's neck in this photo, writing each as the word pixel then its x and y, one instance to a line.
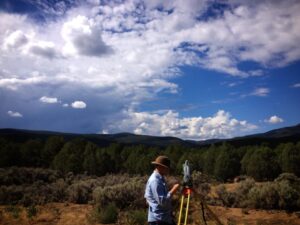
pixel 159 172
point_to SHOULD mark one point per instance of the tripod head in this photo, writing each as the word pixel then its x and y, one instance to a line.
pixel 187 178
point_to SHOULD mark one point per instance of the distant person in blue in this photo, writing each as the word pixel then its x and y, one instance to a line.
pixel 157 195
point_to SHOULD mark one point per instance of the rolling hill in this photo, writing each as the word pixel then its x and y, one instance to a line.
pixel 285 134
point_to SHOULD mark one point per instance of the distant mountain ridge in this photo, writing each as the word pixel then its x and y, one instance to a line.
pixel 276 136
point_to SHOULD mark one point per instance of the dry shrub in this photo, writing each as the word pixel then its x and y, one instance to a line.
pixel 128 194
pixel 79 193
pixel 59 188
pixel 228 198
pixel 292 178
pixel 289 198
pixel 23 175
pixel 37 186
pixel 274 195
pixel 10 194
pixel 199 178
pixel 245 186
pixel 280 194
pixel 242 191
pixel 264 196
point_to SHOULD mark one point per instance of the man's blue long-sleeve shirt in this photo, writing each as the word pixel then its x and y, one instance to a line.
pixel 158 198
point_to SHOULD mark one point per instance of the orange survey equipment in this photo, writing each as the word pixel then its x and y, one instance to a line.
pixel 187 190
pixel 185 194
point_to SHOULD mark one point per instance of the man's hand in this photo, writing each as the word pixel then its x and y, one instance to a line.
pixel 174 188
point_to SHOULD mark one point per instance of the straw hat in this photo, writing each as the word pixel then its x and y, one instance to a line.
pixel 162 161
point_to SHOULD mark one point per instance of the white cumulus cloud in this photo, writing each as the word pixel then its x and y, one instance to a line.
pixel 83 36
pixel 274 119
pixel 78 105
pixel 261 92
pixel 14 114
pixel 15 39
pixel 125 52
pixel 296 85
pixel 220 125
pixel 49 100
pixel 44 49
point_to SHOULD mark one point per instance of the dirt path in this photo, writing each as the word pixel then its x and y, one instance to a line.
pixel 74 214
pixel 255 217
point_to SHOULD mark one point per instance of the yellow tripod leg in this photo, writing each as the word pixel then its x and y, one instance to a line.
pixel 180 211
pixel 187 208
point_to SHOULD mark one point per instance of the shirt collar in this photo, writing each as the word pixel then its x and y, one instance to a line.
pixel 158 175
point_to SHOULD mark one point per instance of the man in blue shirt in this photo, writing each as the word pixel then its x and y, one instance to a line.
pixel 157 195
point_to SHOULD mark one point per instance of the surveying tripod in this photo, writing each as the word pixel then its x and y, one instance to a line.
pixel 187 190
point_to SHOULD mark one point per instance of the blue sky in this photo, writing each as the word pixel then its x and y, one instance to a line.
pixel 185 68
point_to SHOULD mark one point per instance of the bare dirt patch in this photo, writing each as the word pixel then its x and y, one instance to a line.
pixel 49 214
pixel 255 217
pixel 75 214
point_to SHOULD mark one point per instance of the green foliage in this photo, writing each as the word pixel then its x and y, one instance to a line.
pixel 10 153
pixel 227 164
pixel 174 152
pixel 70 157
pixel 210 157
pixel 224 161
pixel 289 158
pixel 104 163
pixel 90 161
pixel 138 161
pixel 52 146
pixel 114 151
pixel 30 153
pixel 262 164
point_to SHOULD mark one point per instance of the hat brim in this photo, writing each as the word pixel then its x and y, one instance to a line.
pixel 156 163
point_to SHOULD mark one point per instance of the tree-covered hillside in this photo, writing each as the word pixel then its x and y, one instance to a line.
pixel 223 161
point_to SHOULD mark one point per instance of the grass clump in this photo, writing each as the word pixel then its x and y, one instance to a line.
pixel 31 211
pixel 1 215
pixel 104 215
pixel 14 211
pixel 136 217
